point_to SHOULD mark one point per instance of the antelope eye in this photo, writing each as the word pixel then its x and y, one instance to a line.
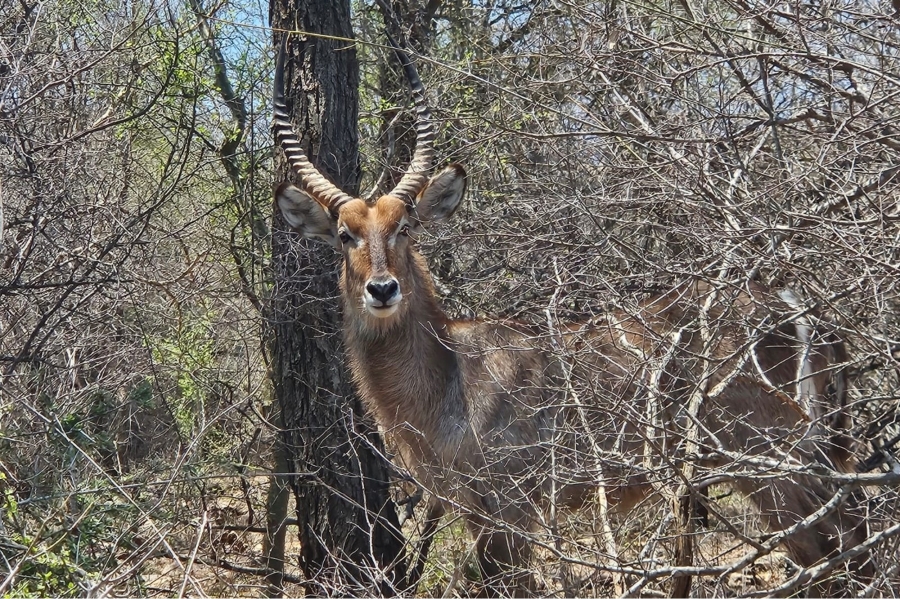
pixel 344 236
pixel 404 230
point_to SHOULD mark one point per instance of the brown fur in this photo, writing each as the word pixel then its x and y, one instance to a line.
pixel 475 407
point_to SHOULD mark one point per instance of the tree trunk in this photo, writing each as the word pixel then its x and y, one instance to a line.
pixel 347 520
pixel 277 500
pixel 409 22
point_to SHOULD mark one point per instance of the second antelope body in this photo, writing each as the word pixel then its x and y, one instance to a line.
pixel 500 419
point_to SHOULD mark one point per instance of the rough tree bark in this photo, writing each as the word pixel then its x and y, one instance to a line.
pixel 348 522
pixel 412 23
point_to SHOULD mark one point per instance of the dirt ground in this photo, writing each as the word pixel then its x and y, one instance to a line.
pixel 239 549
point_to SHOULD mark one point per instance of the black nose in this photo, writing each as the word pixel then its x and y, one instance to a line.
pixel 382 290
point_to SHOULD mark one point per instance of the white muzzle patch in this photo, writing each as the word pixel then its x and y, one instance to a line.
pixel 380 309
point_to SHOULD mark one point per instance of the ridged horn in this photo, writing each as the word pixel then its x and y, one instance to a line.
pixel 416 176
pixel 314 183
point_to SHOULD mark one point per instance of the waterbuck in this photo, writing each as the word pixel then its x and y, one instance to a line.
pixel 503 420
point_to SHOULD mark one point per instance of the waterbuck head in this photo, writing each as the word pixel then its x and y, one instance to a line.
pixel 381 264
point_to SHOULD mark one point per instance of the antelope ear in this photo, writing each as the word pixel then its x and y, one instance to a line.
pixel 306 215
pixel 442 196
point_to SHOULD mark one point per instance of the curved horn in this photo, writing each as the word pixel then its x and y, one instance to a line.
pixel 414 179
pixel 315 184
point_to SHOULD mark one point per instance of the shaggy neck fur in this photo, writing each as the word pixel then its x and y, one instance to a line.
pixel 404 366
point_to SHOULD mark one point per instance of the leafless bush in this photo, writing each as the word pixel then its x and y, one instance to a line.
pixel 613 152
pixel 130 373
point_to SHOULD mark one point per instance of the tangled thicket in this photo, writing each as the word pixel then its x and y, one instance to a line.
pixel 614 149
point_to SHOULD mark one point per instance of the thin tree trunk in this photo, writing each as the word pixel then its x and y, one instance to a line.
pixel 410 23
pixel 347 520
pixel 277 500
